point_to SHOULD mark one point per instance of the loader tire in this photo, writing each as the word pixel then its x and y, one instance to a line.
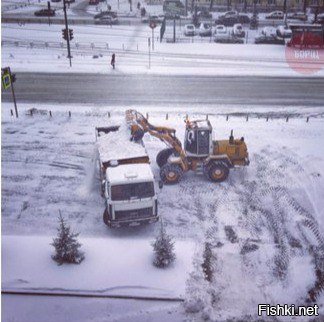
pixel 163 156
pixel 217 172
pixel 171 173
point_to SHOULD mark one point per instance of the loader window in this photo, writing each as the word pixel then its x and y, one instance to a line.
pixel 132 191
pixel 191 142
pixel 203 142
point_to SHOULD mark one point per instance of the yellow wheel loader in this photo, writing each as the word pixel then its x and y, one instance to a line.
pixel 200 152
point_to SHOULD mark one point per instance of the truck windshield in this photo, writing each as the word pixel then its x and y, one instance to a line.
pixel 132 191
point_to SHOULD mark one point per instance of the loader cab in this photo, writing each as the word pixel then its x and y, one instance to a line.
pixel 198 138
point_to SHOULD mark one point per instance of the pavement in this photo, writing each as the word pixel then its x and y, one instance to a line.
pixel 121 90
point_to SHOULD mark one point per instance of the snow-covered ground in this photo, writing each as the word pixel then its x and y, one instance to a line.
pixel 265 223
pixel 40 47
pixel 118 266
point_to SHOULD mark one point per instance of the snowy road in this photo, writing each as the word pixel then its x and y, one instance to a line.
pixel 166 90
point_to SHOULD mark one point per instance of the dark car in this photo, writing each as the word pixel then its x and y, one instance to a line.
pixel 227 21
pixel 243 18
pixel 45 13
pixel 106 20
pixel 269 39
pixel 112 14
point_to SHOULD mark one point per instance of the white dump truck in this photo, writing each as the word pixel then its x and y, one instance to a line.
pixel 127 181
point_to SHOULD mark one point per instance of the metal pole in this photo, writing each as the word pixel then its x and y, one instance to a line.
pixel 152 38
pixel 49 8
pixel 149 52
pixel 174 30
pixel 68 35
pixel 13 93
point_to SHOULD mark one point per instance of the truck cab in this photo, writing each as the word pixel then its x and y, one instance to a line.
pixel 130 195
pixel 127 180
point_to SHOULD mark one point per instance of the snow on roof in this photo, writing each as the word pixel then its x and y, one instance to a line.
pixel 117 146
pixel 128 173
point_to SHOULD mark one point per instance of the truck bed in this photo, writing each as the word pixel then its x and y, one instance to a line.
pixel 114 144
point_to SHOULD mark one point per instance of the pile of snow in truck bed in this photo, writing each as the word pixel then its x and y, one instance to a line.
pixel 118 146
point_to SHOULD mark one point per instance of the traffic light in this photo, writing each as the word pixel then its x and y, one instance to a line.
pixel 65 34
pixel 71 34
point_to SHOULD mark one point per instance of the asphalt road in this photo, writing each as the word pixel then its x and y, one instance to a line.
pixel 120 90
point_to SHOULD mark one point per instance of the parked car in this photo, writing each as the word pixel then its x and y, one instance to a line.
pixel 45 13
pixel 227 21
pixel 283 32
pixel 106 20
pixel 220 29
pixel 320 19
pixel 225 36
pixel 275 15
pixel 269 31
pixel 112 14
pixel 205 29
pixel 297 16
pixel 238 30
pixel 243 18
pixel 270 39
pixel 229 14
pixel 189 30
pixel 93 2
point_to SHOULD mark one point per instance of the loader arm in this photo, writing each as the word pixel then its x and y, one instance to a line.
pixel 139 125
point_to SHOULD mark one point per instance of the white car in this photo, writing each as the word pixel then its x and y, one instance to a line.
pixel 229 14
pixel 220 29
pixel 238 30
pixel 223 35
pixel 205 29
pixel 189 30
pixel 284 32
pixel 269 31
pixel 275 15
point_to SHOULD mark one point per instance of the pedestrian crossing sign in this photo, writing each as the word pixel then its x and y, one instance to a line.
pixel 6 80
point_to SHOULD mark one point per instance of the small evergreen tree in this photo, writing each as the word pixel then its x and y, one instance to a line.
pixel 207 265
pixel 163 248
pixel 66 245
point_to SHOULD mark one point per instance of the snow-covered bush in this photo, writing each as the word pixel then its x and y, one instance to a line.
pixel 164 249
pixel 66 245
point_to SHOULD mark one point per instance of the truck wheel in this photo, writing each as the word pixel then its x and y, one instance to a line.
pixel 163 156
pixel 105 216
pixel 171 173
pixel 217 172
